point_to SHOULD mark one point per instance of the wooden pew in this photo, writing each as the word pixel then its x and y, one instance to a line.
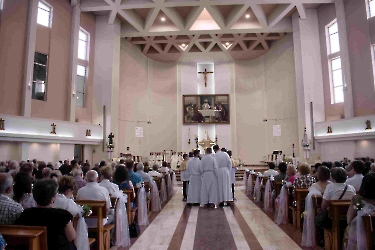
pixel 32 237
pixel 299 198
pixel 337 209
pixel 131 198
pixel 99 211
pixel 289 201
pixel 369 223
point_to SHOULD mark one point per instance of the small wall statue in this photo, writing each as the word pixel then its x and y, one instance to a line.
pixel 368 125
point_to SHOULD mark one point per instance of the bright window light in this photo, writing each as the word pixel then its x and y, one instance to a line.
pixel 82 45
pixel 337 80
pixel 334 43
pixel 370 8
pixel 44 14
pixel 80 86
pixel 1 4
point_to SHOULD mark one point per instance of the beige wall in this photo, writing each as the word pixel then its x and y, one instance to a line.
pixel 56 106
pixel 326 14
pixel 12 55
pixel 84 115
pixel 148 91
pixel 266 88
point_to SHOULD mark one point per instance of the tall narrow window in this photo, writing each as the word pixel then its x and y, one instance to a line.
pixel 1 4
pixel 40 77
pixel 335 69
pixel 83 45
pixel 44 14
pixel 80 86
pixel 334 44
pixel 370 8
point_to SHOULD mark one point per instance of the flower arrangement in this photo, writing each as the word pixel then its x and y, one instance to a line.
pixel 86 211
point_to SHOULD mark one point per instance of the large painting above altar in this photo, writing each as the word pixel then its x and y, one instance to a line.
pixel 208 109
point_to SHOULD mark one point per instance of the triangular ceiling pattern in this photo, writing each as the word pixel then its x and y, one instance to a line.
pixel 163 24
pixel 205 22
pixel 247 21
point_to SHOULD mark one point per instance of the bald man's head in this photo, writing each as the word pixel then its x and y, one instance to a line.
pixel 92 176
pixel 6 183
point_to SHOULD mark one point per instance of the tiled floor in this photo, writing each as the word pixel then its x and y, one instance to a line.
pixel 243 225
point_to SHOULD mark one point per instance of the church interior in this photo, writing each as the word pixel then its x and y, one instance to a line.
pixel 140 88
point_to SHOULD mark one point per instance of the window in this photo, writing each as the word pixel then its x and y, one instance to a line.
pixel 44 14
pixel 370 8
pixel 334 44
pixel 82 45
pixel 1 4
pixel 40 77
pixel 80 86
pixel 334 59
pixel 337 81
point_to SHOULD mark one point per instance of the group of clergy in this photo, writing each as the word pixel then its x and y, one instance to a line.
pixel 207 179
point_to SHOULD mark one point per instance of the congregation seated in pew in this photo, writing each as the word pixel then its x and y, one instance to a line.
pixel 282 175
pixel 140 170
pixel 94 192
pixel 135 178
pixel 355 170
pixel 154 172
pixel 304 180
pixel 105 180
pixel 23 190
pixel 10 209
pixel 291 174
pixel 60 231
pixel 271 170
pixel 64 197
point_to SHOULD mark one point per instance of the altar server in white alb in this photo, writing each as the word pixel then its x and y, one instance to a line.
pixel 224 164
pixel 209 188
pixel 174 161
pixel 195 181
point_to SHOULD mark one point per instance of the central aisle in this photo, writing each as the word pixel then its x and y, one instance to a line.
pixel 242 226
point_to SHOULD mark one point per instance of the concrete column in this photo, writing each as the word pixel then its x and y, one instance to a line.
pixel 76 14
pixel 309 78
pixel 29 58
pixel 106 80
pixel 25 151
pixel 345 61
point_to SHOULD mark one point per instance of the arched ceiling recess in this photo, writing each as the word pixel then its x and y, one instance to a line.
pixel 242 29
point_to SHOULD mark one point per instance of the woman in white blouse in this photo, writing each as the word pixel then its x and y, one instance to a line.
pixel 64 197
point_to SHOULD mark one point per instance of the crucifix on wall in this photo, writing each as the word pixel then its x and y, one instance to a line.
pixel 205 72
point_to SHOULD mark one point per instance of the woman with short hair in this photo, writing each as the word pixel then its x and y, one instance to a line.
pixel 60 231
pixel 290 173
pixel 305 180
pixel 65 195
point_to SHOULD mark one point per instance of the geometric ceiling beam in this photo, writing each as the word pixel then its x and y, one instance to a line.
pixel 259 13
pixel 192 17
pixel 189 46
pixel 175 17
pixel 150 19
pixel 279 13
pixel 301 11
pixel 235 14
pixel 132 18
pixel 217 16
pixel 200 47
pixel 113 14
pixel 216 39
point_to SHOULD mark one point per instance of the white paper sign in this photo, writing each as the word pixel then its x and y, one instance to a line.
pixel 138 131
pixel 276 130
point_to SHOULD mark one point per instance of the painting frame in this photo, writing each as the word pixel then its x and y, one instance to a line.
pixel 206 109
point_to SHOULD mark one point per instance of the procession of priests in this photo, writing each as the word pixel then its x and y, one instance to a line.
pixel 207 179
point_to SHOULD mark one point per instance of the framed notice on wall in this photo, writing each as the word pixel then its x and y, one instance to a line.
pixel 208 109
pixel 138 131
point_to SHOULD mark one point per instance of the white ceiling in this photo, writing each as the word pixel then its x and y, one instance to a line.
pixel 239 22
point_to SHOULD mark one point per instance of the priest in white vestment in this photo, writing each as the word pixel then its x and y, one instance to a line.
pixel 174 160
pixel 225 165
pixel 195 181
pixel 209 188
pixel 159 159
